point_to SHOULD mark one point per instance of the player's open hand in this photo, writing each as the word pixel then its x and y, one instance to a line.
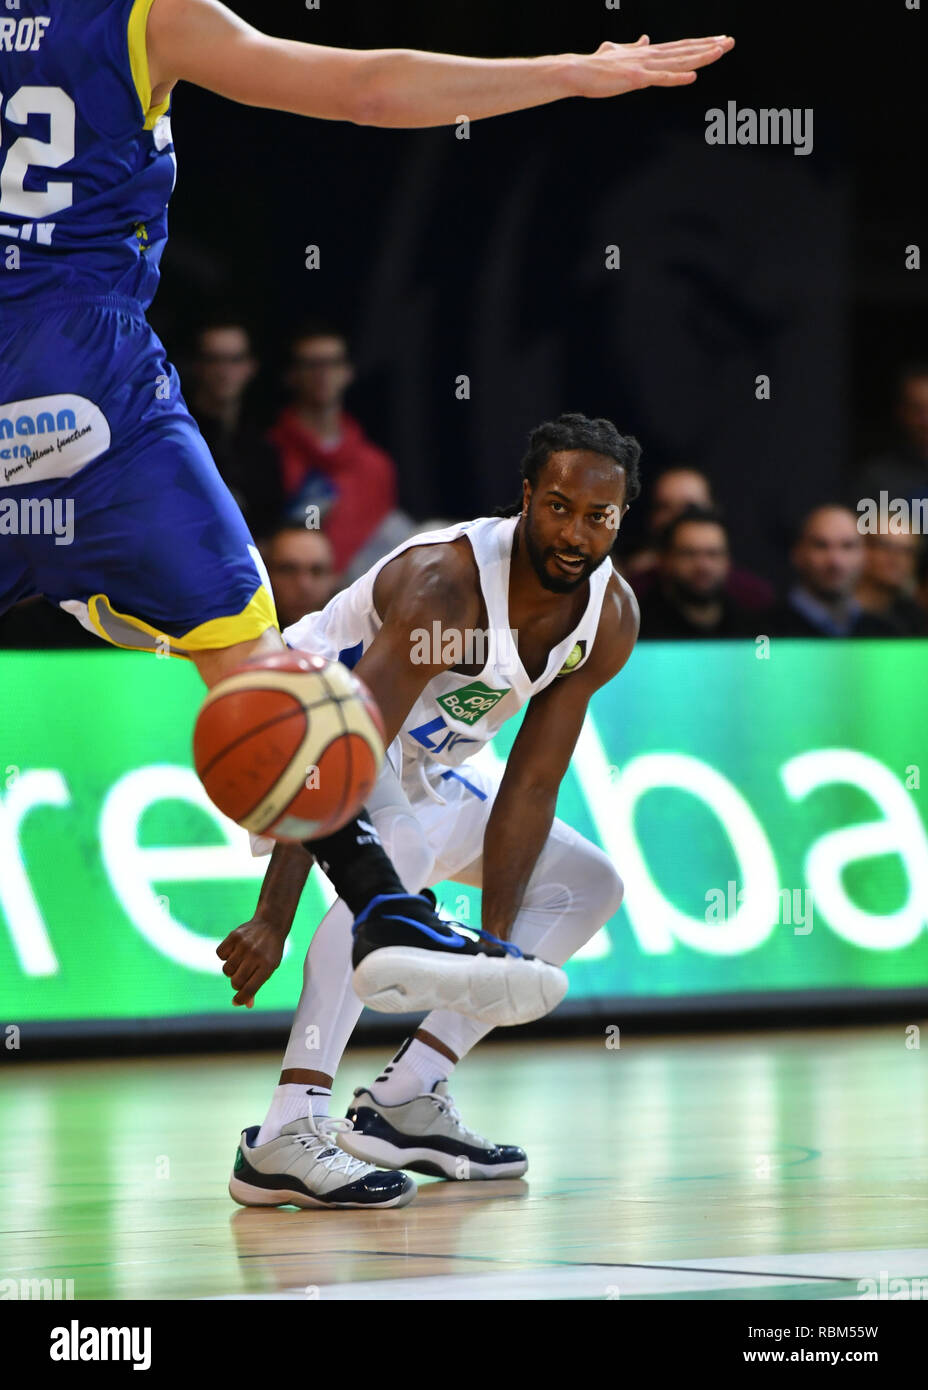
pixel 626 67
pixel 251 953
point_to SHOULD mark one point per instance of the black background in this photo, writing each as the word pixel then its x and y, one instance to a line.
pixel 442 256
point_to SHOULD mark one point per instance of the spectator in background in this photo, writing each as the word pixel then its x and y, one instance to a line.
pixel 673 491
pixel 902 469
pixel 689 598
pixel 300 563
pixel 828 559
pixel 326 460
pixel 223 367
pixel 888 584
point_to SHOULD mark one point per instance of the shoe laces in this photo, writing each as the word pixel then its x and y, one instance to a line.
pixel 509 947
pixel 464 930
pixel 447 1106
pixel 335 1159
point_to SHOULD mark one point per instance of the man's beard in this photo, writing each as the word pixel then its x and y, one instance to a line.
pixel 829 592
pixel 555 584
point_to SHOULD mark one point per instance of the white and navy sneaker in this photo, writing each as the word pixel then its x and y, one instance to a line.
pixel 408 960
pixel 427 1135
pixel 303 1167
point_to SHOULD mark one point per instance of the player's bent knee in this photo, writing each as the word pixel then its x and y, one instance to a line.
pixel 604 888
pixel 616 892
pixel 599 900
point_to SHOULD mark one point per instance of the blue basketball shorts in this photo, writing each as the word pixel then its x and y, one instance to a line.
pixel 110 503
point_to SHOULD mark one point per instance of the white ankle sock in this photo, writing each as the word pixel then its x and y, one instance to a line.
pixel 295 1101
pixel 413 1072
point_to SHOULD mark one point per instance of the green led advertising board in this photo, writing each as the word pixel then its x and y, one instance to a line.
pixel 763 806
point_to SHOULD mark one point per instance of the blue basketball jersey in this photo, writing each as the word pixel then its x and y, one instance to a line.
pixel 86 162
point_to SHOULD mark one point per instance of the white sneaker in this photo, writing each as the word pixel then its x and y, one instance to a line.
pixel 304 1167
pixel 427 1135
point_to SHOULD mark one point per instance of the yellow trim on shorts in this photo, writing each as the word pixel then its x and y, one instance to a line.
pixel 215 634
pixel 138 62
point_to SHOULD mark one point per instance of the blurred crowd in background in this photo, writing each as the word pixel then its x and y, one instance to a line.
pixel 320 497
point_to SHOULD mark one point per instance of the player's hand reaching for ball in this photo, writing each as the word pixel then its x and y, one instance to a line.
pixel 251 953
pixel 627 67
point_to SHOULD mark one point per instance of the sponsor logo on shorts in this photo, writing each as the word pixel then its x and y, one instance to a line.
pixel 49 437
pixel 471 703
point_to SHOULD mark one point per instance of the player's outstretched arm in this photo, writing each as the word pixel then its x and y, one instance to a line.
pixel 523 812
pixel 203 42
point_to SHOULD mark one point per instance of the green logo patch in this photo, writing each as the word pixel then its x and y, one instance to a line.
pixel 472 702
pixel 574 657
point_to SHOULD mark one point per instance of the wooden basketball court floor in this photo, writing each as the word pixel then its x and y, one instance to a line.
pixel 773 1165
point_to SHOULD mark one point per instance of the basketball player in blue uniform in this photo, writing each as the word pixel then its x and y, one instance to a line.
pixel 110 505
pixel 543 572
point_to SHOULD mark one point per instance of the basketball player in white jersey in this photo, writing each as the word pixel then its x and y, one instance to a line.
pixel 454 632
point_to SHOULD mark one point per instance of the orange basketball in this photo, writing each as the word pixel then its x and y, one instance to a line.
pixel 289 746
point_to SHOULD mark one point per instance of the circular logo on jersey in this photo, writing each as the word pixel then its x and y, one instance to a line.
pixel 575 656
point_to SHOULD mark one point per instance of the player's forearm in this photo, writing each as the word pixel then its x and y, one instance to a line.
pixel 283 886
pixel 408 89
pixel 518 827
pixel 202 41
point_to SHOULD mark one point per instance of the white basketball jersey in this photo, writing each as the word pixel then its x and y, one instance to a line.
pixel 455 715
